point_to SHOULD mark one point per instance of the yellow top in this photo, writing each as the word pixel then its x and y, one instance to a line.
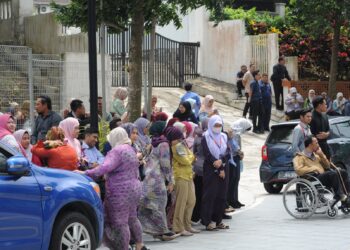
pixel 182 161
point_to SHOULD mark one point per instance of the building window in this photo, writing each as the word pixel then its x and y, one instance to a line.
pixel 5 9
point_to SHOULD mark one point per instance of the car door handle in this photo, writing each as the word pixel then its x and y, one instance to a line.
pixel 48 188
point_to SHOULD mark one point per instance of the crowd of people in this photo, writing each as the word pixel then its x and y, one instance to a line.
pixel 258 93
pixel 160 176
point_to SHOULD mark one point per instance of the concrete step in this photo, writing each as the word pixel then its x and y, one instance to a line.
pixel 226 93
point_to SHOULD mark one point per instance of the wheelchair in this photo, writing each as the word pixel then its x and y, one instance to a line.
pixel 306 196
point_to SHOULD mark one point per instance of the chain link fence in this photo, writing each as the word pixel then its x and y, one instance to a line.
pixel 25 76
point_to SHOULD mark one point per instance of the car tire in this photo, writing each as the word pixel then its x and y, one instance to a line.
pixel 273 188
pixel 67 224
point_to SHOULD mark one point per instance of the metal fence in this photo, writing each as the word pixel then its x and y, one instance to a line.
pixel 175 62
pixel 25 76
pixel 260 52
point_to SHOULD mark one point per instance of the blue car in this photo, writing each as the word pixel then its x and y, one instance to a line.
pixel 43 208
pixel 276 167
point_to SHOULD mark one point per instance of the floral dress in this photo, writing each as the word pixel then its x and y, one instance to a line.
pixel 154 192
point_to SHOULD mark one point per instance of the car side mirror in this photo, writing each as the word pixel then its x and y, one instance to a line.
pixel 18 166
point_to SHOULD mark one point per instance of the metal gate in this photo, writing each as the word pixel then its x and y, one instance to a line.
pixel 175 62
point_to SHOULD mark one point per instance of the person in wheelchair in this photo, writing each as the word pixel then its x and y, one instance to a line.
pixel 314 162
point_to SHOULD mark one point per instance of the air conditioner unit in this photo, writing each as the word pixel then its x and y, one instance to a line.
pixel 44 9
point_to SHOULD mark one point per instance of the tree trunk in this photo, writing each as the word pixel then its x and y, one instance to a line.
pixel 135 64
pixel 334 60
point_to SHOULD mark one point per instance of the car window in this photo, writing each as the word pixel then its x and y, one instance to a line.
pixel 334 131
pixel 344 129
pixel 4 155
pixel 281 134
pixel 2 163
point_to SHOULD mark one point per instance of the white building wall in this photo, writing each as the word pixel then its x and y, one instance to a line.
pixel 76 79
pixel 223 48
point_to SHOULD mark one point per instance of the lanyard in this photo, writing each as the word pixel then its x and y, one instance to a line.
pixel 218 145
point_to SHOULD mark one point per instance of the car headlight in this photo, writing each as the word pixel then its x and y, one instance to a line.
pixel 96 187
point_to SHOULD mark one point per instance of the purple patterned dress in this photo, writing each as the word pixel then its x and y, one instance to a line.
pixel 123 192
pixel 154 193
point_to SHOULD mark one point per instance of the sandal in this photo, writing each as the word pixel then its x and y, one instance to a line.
pixel 211 227
pixel 222 226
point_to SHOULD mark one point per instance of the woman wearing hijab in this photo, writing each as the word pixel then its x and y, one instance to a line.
pixel 132 131
pixel 216 153
pixel 55 152
pixel 198 169
pixel 238 128
pixel 161 116
pixel 339 104
pixel 207 108
pixel 22 137
pixel 171 122
pixel 7 128
pixel 190 127
pixel 70 127
pixel 182 158
pixel 123 191
pixel 118 108
pixel 158 172
pixel 142 125
pixel 184 113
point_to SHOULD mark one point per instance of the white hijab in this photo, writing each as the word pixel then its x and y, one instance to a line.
pixel 118 136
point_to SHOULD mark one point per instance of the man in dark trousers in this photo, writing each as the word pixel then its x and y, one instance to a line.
pixel 266 94
pixel 240 75
pixel 320 125
pixel 279 74
pixel 256 103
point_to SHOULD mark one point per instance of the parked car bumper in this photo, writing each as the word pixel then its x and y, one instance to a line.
pixel 269 174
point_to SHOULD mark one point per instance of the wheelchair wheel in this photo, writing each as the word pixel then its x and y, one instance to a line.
pixel 332 212
pixel 300 198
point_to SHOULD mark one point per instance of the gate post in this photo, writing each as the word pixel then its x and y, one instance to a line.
pixel 181 65
pixel 31 87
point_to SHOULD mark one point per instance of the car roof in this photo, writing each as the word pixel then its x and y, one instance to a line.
pixel 332 120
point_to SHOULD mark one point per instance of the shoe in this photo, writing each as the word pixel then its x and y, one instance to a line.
pixel 169 236
pixel 241 204
pixel 250 117
pixel 227 217
pixel 194 231
pixel 185 233
pixel 240 95
pixel 229 209
pixel 267 129
pixel 145 248
pixel 211 226
pixel 195 223
pixel 256 131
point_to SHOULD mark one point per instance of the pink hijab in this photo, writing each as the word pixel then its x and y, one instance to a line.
pixel 68 125
pixel 3 125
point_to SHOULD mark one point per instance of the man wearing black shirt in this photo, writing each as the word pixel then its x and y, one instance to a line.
pixel 279 73
pixel 319 124
pixel 240 75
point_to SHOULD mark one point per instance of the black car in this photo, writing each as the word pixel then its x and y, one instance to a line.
pixel 276 168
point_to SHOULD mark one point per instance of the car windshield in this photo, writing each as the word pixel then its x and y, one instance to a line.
pixel 344 129
pixel 281 134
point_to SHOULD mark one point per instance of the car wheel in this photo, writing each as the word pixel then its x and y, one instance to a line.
pixel 73 231
pixel 273 188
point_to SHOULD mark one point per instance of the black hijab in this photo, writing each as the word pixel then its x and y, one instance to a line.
pixel 187 115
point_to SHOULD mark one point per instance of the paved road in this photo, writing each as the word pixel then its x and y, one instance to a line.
pixel 263 224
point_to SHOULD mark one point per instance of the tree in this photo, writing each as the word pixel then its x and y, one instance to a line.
pixel 319 17
pixel 138 14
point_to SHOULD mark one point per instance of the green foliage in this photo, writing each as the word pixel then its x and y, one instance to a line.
pixel 117 14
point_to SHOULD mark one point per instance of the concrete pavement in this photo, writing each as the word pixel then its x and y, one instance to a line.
pixel 263 223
